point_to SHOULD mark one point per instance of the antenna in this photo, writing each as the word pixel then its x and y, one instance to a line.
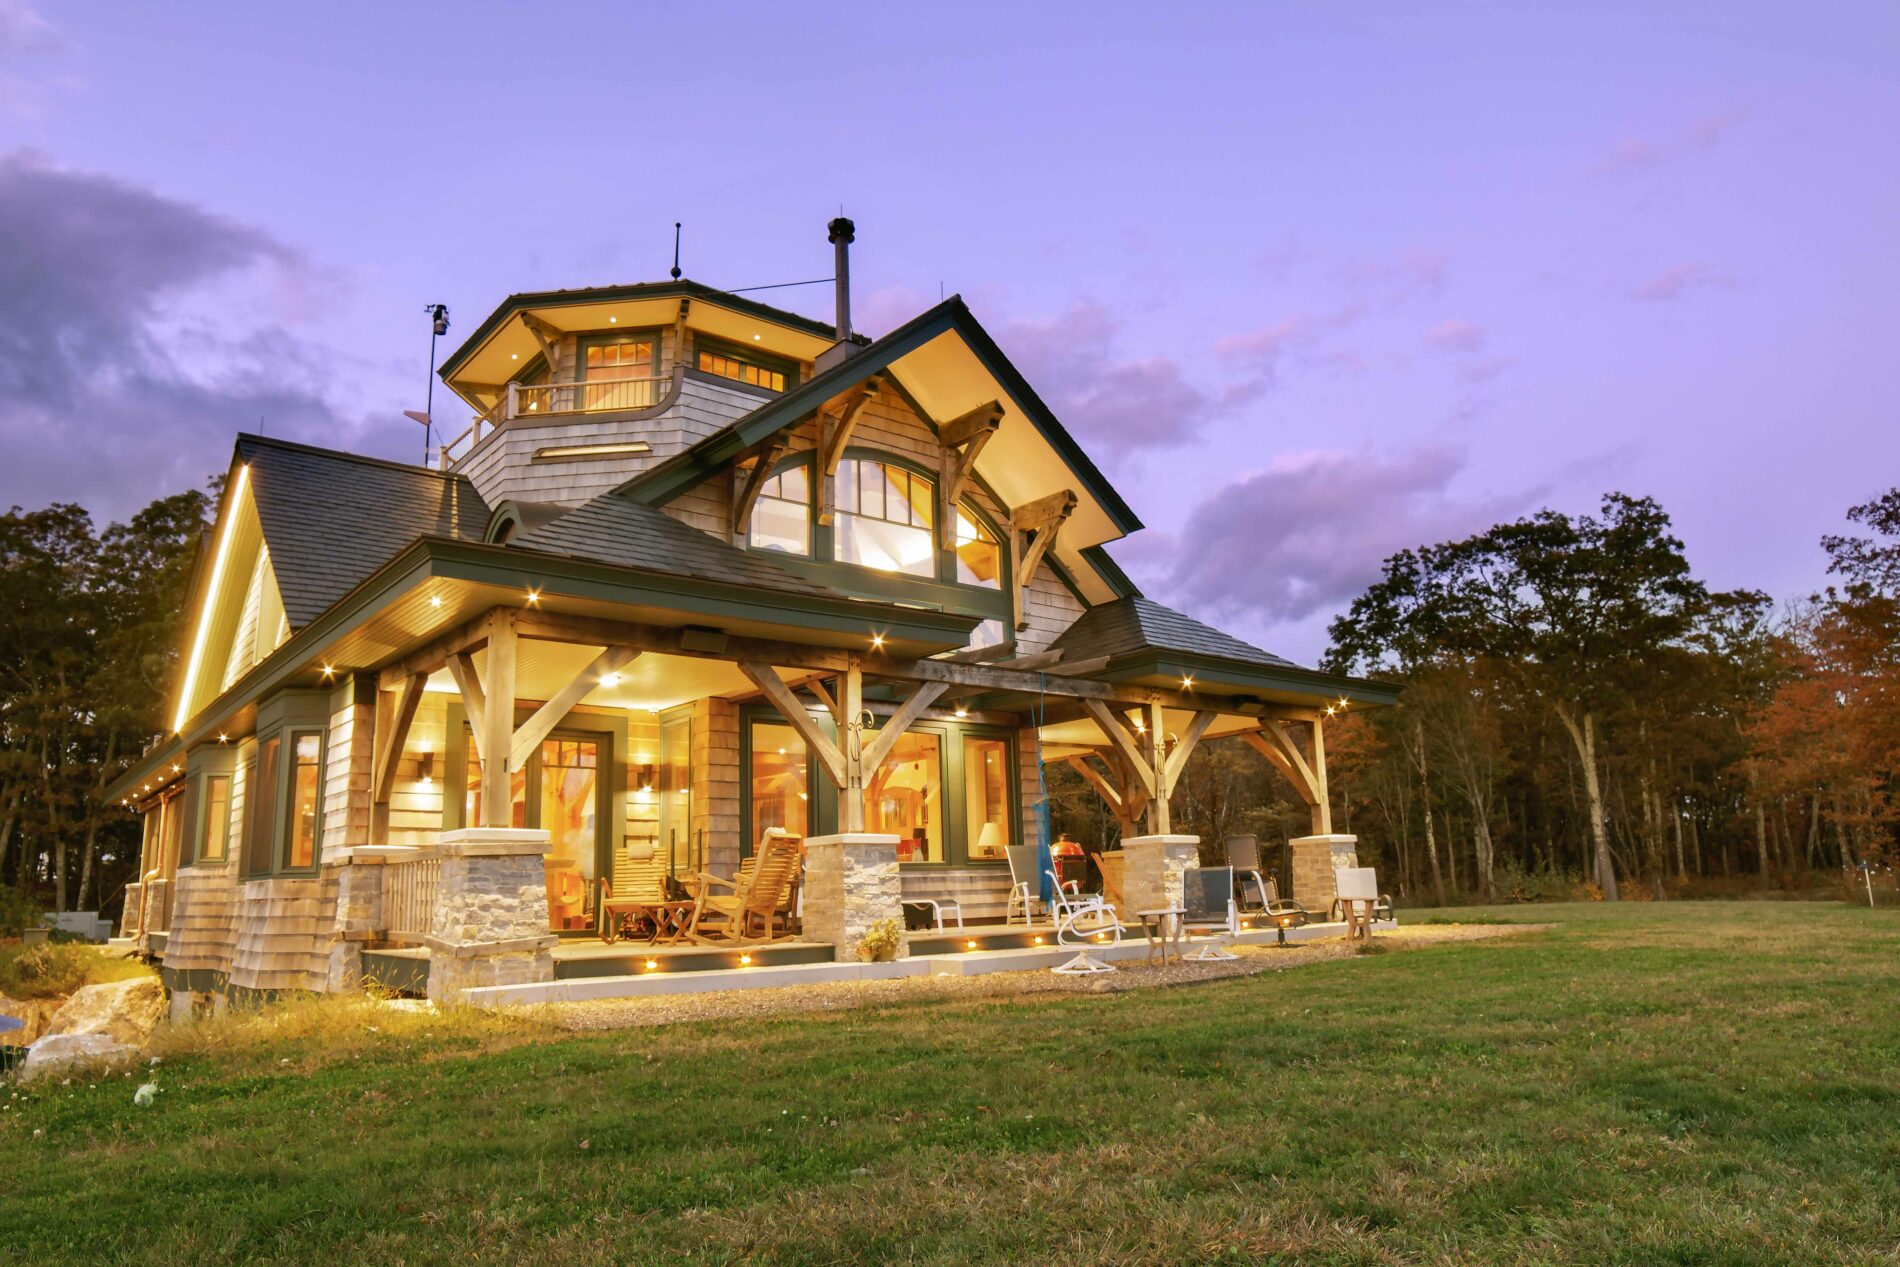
pixel 676 250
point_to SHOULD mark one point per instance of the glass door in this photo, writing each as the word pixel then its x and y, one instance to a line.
pixel 568 800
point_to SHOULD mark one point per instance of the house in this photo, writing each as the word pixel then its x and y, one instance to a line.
pixel 697 568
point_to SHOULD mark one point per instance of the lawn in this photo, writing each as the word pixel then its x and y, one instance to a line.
pixel 1681 1083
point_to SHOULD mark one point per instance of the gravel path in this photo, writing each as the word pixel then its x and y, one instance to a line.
pixel 670 1009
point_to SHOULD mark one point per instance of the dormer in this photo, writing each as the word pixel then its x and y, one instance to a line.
pixel 574 392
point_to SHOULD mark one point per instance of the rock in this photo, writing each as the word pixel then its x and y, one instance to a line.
pixel 98 1024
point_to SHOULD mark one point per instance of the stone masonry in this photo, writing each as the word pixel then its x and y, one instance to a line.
pixel 850 883
pixel 1315 859
pixel 1151 876
pixel 491 913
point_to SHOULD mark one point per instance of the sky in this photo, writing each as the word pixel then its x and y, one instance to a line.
pixel 1313 283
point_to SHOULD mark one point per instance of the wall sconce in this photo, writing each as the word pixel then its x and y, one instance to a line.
pixel 425 762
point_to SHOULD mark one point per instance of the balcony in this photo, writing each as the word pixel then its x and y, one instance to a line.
pixel 535 401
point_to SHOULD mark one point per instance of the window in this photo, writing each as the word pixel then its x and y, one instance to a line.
pixel 619 370
pixel 741 366
pixel 306 790
pixel 780 794
pixel 260 825
pixel 885 518
pixel 905 798
pixel 979 558
pixel 214 823
pixel 676 791
pixel 986 791
pixel 781 518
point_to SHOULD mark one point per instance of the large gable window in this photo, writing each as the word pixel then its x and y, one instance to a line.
pixel 885 518
pixel 781 518
pixel 979 558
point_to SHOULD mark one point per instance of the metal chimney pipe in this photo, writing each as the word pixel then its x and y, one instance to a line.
pixel 842 233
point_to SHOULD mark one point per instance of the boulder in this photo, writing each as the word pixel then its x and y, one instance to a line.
pixel 99 1024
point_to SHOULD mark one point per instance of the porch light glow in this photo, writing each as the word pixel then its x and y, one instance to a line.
pixel 962 711
pixel 329 671
pixel 745 960
pixel 613 321
pixel 1039 941
pixel 610 679
pixel 211 597
pixel 969 945
pixel 877 642
pixel 223 738
pixel 435 600
pixel 652 964
pixel 534 596
pixel 1187 683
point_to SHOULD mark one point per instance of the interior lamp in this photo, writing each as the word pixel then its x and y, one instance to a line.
pixel 989 841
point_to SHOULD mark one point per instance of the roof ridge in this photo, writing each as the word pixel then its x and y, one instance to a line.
pixel 345 455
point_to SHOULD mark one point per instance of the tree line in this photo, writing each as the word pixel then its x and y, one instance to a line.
pixel 90 621
pixel 1581 716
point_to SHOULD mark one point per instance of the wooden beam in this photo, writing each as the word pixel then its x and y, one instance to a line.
pixel 748 495
pixel 1184 747
pixel 817 687
pixel 391 732
pixel 1159 809
pixel 1119 734
pixel 474 703
pixel 763 676
pixel 880 748
pixel 978 423
pixel 547 336
pixel 851 735
pixel 432 655
pixel 529 735
pixel 836 421
pixel 1033 532
pixel 959 443
pixel 1086 768
pixel 498 720
pixel 1323 808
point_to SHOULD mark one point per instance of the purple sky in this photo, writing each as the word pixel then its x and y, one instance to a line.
pixel 1312 287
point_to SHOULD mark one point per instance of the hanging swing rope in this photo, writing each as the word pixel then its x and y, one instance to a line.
pixel 1045 860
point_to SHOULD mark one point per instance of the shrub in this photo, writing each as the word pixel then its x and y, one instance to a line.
pixel 880 941
pixel 54 969
pixel 18 912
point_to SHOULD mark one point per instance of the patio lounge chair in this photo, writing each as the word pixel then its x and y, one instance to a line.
pixel 1022 883
pixel 1207 893
pixel 759 895
pixel 642 888
pixel 1083 920
pixel 1253 892
pixel 1359 899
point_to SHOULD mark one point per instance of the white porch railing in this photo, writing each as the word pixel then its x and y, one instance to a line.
pixel 542 400
pixel 409 889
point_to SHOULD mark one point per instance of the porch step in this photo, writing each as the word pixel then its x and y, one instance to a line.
pixel 630 959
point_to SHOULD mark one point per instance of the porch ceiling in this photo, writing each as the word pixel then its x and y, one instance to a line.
pixel 1073 738
pixel 651 683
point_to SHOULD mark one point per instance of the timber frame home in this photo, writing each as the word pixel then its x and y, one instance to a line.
pixel 699 568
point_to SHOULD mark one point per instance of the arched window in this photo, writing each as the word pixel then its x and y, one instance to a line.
pixel 885 518
pixel 979 557
pixel 781 518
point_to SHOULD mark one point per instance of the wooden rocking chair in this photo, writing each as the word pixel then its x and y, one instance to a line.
pixel 759 894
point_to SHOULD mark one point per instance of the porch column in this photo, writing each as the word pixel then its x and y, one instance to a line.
pixel 498 718
pixel 1315 859
pixel 1151 876
pixel 851 882
pixel 491 912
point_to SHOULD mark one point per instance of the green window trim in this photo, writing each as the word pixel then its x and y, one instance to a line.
pixel 269 830
pixel 745 366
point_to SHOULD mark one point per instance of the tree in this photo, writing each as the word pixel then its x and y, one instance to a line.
pixel 1575 610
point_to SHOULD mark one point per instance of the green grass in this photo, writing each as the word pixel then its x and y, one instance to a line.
pixel 55 968
pixel 1680 1083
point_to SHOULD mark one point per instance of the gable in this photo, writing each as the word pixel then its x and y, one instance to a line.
pixel 946 364
pixel 235 584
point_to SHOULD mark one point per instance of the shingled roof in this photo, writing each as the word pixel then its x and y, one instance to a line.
pixel 1130 625
pixel 331 519
pixel 615 530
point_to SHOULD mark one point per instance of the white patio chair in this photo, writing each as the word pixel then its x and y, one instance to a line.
pixel 1082 921
pixel 1022 883
pixel 1207 894
pixel 1254 892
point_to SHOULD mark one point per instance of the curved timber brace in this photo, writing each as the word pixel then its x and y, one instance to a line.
pixel 1274 741
pixel 959 442
pixel 1033 529
pixel 837 419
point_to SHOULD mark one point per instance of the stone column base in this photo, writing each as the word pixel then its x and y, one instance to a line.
pixel 851 883
pixel 1151 876
pixel 1315 859
pixel 491 912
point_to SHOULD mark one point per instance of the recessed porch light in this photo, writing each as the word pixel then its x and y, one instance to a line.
pixel 610 679
pixel 435 600
pixel 877 642
pixel 534 596
pixel 613 321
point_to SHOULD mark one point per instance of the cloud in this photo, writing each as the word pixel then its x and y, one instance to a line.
pixel 1310 532
pixel 1456 336
pixel 25 37
pixel 1642 154
pixel 1116 404
pixel 1674 283
pixel 119 380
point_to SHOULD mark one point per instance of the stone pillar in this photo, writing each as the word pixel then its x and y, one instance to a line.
pixel 850 883
pixel 491 911
pixel 1151 876
pixel 358 871
pixel 1315 858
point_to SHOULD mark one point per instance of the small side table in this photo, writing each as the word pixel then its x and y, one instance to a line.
pixel 1160 925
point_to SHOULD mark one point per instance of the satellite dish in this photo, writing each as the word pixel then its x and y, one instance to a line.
pixel 416 415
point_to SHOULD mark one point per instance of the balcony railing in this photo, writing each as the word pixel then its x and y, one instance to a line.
pixel 545 400
pixel 409 889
